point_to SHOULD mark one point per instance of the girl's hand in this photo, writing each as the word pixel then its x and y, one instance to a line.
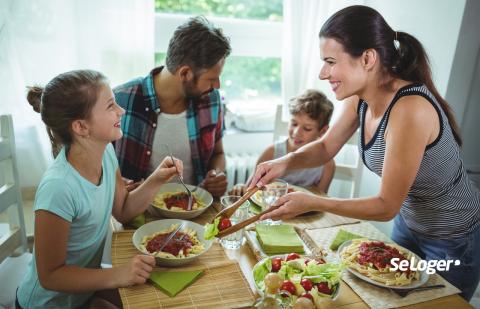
pixel 292 205
pixel 166 170
pixel 267 171
pixel 137 271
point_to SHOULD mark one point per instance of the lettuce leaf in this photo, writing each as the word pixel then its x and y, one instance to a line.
pixel 329 272
pixel 288 270
pixel 211 229
pixel 261 271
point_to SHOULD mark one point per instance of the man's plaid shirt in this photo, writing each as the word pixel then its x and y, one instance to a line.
pixel 204 124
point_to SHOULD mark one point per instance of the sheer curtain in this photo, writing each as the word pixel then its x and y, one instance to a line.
pixel 40 39
pixel 302 20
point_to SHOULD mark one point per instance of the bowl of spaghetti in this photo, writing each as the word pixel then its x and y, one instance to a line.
pixel 186 245
pixel 370 260
pixel 171 201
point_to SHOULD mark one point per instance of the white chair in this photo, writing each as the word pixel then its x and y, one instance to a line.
pixel 14 255
pixel 280 128
pixel 348 172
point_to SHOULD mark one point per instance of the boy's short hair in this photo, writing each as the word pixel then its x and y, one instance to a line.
pixel 313 103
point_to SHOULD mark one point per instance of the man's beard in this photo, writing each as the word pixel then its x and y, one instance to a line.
pixel 191 92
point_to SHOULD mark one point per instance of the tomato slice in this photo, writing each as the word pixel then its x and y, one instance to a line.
pixel 225 223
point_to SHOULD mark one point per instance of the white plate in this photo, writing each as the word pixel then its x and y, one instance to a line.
pixel 201 193
pixel 258 199
pixel 282 256
pixel 415 283
pixel 160 225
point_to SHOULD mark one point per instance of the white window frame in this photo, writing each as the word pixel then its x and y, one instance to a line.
pixel 248 37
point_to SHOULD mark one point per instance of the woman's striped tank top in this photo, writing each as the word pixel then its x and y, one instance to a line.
pixel 442 202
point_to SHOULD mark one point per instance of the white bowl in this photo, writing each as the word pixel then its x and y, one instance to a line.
pixel 334 296
pixel 160 225
pixel 201 193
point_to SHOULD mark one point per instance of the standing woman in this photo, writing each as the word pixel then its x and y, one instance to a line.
pixel 409 137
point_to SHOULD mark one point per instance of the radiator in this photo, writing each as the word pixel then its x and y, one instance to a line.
pixel 239 167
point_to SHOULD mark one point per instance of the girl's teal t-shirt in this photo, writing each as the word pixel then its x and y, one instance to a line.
pixel 88 207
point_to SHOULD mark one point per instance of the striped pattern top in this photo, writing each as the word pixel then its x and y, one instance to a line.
pixel 441 202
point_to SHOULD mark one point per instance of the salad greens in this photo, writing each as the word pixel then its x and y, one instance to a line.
pixel 302 268
pixel 211 229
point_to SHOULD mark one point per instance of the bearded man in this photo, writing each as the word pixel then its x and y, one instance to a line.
pixel 178 105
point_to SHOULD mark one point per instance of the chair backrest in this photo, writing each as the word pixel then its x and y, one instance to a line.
pixel 13 236
pixel 349 173
pixel 280 128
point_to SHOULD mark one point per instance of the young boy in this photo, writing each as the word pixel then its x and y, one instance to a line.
pixel 310 116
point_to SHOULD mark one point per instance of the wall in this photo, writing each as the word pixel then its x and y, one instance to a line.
pixel 437 25
pixel 463 91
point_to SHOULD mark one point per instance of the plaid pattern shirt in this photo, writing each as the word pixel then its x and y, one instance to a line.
pixel 204 124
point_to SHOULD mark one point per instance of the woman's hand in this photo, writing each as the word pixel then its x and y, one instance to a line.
pixel 137 271
pixel 292 205
pixel 166 170
pixel 267 171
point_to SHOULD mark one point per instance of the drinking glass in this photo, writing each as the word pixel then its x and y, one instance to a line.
pixel 234 240
pixel 272 192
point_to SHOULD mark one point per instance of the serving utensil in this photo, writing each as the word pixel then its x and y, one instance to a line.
pixel 189 193
pixel 241 225
pixel 229 211
pixel 405 292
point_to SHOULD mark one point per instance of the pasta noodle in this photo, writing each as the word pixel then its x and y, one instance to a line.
pixel 184 244
pixel 177 201
pixel 372 259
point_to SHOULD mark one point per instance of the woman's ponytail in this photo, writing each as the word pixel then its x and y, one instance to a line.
pixel 412 64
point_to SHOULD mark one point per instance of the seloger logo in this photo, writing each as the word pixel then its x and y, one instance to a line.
pixel 430 266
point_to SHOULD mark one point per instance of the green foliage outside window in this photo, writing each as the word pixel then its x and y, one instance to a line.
pixel 242 77
pixel 245 77
pixel 251 9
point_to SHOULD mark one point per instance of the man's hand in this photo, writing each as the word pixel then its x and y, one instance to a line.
pixel 215 183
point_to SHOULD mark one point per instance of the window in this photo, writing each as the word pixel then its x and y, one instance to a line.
pixel 248 9
pixel 252 74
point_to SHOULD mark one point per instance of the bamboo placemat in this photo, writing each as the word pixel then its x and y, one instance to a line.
pixel 222 284
pixel 376 297
pixel 317 220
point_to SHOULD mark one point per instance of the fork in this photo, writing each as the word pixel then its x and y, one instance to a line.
pixel 190 200
pixel 405 292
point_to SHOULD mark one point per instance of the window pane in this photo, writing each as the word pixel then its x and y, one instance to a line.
pixel 249 9
pixel 247 78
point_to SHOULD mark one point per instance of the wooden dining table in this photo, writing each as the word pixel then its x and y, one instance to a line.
pixel 347 298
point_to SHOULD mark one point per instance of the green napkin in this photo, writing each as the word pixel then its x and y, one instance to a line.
pixel 173 283
pixel 342 236
pixel 278 239
pixel 138 221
